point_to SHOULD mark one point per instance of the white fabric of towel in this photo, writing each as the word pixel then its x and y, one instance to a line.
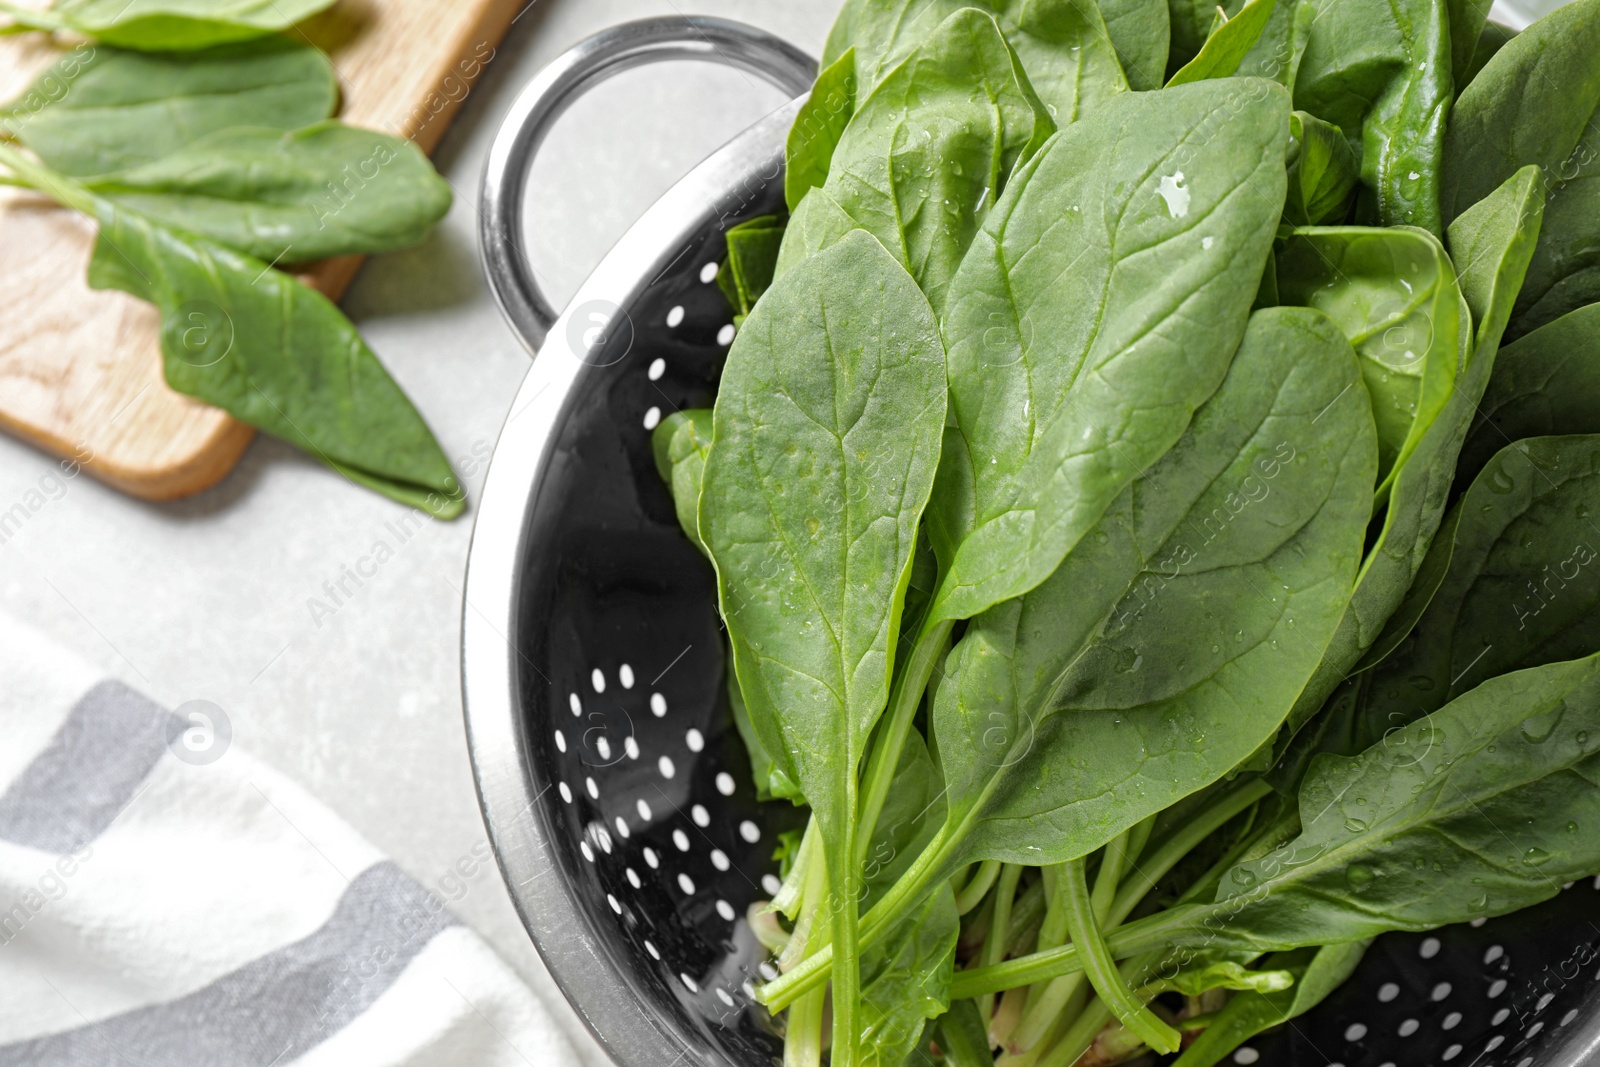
pixel 159 912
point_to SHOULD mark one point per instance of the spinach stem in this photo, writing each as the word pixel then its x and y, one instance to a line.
pixel 810 894
pixel 978 887
pixel 37 176
pixel 1146 934
pixel 843 900
pixel 31 18
pixel 1053 931
pixel 1081 1035
pixel 905 697
pixel 794 893
pixel 802 1045
pixel 1045 1003
pixel 1058 1026
pixel 1253 846
pixel 1159 931
pixel 1170 850
pixel 1026 915
pixel 1101 967
pixel 782 991
pixel 994 949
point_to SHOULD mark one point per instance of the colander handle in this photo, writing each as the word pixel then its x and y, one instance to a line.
pixel 581 67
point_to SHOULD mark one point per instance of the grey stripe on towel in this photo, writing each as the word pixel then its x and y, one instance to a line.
pixel 274 1009
pixel 88 773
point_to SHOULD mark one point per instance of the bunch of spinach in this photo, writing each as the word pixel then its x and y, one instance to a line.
pixel 1084 499
pixel 204 146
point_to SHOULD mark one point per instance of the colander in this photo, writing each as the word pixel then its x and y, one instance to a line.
pixel 615 789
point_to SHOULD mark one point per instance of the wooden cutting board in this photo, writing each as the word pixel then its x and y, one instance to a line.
pixel 80 371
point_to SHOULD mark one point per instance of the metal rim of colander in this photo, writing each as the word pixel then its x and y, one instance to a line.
pixel 632 1032
pixel 625 1024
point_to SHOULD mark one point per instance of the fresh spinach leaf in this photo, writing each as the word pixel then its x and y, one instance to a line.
pixel 1380 71
pixel 1070 56
pixel 1192 22
pixel 1102 303
pixel 1317 972
pixel 818 125
pixel 905 981
pixel 1546 383
pixel 680 444
pixel 1521 586
pixel 1429 826
pixel 1206 975
pixel 819 222
pixel 1228 45
pixel 813 541
pixel 1395 295
pixel 1038 684
pixel 1277 54
pixel 771 783
pixel 1493 244
pixel 168 25
pixel 931 147
pixel 1323 172
pixel 276 354
pixel 1141 34
pixel 100 110
pixel 963 1036
pixel 1261 505
pixel 325 190
pixel 1468 20
pixel 752 258
pixel 1537 102
pixel 1063 44
pixel 1493 38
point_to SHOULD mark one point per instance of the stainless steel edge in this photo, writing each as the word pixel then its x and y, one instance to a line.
pixel 718 188
pixel 552 91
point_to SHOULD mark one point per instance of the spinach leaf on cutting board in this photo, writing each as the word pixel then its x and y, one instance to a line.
pixel 276 354
pixel 109 110
pixel 324 190
pixel 166 25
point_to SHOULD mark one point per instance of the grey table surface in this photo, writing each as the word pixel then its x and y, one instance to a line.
pixel 224 597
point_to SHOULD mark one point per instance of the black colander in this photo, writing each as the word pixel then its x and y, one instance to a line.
pixel 616 791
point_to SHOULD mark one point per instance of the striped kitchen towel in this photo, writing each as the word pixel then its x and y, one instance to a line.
pixel 167 901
